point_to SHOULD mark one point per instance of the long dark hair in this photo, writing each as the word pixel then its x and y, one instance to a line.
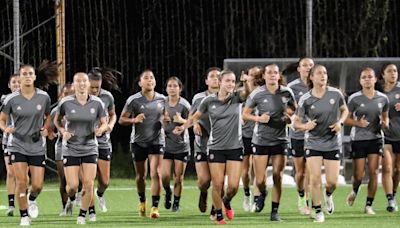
pixel 110 78
pixel 380 83
pixel 46 74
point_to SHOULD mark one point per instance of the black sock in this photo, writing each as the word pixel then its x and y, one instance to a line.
pixel 317 208
pixel 355 189
pixel 72 198
pixel 177 199
pixel 212 212
pixel 203 194
pixel 142 197
pixel 389 197
pixel 370 200
pixel 155 200
pixel 167 189
pixel 80 186
pixel 256 198
pixel 24 213
pixel 328 193
pixel 263 193
pixel 219 215
pixel 82 213
pixel 275 207
pixel 11 199
pixel 92 210
pixel 100 194
pixel 247 191
pixel 301 193
pixel 32 196
pixel 227 203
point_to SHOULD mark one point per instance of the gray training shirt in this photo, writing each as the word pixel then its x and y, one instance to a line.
pixel 275 105
pixel 149 132
pixel 108 100
pixel 58 144
pixel 81 121
pixel 393 134
pixel 175 144
pixel 225 119
pixel 200 142
pixel 371 109
pixel 247 126
pixel 27 116
pixel 326 111
pixel 299 89
pixel 4 136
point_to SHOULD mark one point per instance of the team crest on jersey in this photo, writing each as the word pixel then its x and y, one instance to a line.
pixel 397 96
pixel 198 156
pixel 92 110
pixel 39 107
pixel 380 105
pixel 332 101
pixel 307 152
pixel 12 157
pixel 159 105
pixel 65 161
pixel 211 156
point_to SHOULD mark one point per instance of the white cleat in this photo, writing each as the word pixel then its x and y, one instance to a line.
pixel 92 217
pixel 33 209
pixel 351 197
pixel 369 211
pixel 10 211
pixel 69 207
pixel 319 217
pixel 247 203
pixel 330 206
pixel 62 213
pixel 80 220
pixel 25 221
pixel 102 203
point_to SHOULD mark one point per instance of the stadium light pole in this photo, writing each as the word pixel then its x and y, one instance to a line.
pixel 60 41
pixel 16 29
pixel 309 19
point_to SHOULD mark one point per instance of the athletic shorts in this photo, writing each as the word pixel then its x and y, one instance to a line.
pixel 221 156
pixel 297 148
pixel 361 149
pixel 183 157
pixel 39 160
pixel 327 155
pixel 140 154
pixel 280 149
pixel 201 157
pixel 395 145
pixel 105 154
pixel 247 146
pixel 77 161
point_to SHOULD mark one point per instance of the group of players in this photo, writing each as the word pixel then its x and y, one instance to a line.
pixel 238 131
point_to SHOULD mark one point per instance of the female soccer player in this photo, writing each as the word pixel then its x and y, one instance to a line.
pixel 144 111
pixel 325 110
pixel 274 103
pixel 368 111
pixel 85 118
pixel 177 147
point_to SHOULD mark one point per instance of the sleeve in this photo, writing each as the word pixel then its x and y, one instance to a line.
pixel 185 111
pixel 101 112
pixel 301 111
pixel 61 109
pixel 291 99
pixel 111 105
pixel 341 99
pixel 195 105
pixel 129 106
pixel 203 107
pixel 351 106
pixel 47 105
pixel 6 106
pixel 250 102
pixel 386 105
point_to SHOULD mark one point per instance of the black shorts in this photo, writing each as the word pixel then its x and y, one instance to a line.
pixel 361 149
pixel 77 161
pixel 280 149
pixel 201 157
pixel 140 154
pixel 247 146
pixel 183 157
pixel 105 154
pixel 327 155
pixel 39 160
pixel 297 148
pixel 395 145
pixel 221 156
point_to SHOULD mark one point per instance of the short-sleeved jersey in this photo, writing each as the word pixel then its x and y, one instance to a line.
pixel 326 111
pixel 4 136
pixel 176 143
pixel 149 132
pixel 299 89
pixel 200 142
pixel 81 121
pixel 27 117
pixel 371 109
pixel 275 105
pixel 393 133
pixel 225 119
pixel 108 100
pixel 247 126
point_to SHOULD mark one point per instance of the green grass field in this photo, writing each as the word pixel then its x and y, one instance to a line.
pixel 122 202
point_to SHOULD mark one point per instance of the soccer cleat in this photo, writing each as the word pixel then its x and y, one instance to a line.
pixel 369 211
pixel 33 209
pixel 10 211
pixel 319 217
pixel 230 213
pixel 142 209
pixel 351 197
pixel 80 220
pixel 175 207
pixel 167 202
pixel 203 202
pixel 69 207
pixel 260 203
pixel 247 203
pixel 154 213
pixel 253 207
pixel 62 213
pixel 221 222
pixel 92 217
pixel 275 217
pixel 391 206
pixel 25 221
pixel 213 217
pixel 330 206
pixel 102 203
